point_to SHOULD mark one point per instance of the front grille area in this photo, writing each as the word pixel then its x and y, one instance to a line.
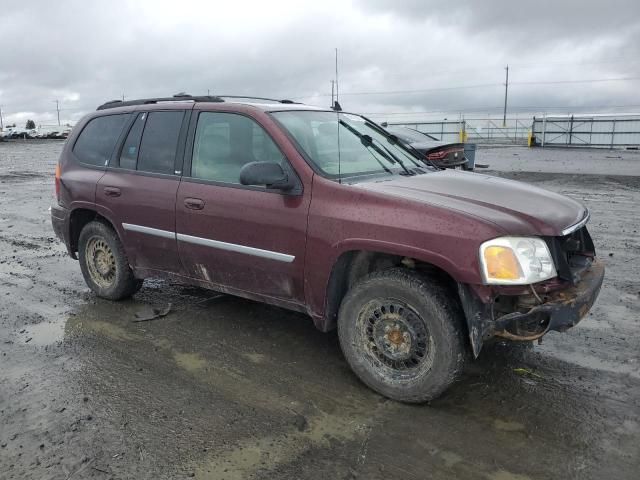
pixel 572 253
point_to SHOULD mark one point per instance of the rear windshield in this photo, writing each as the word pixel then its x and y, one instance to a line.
pixel 410 135
pixel 342 145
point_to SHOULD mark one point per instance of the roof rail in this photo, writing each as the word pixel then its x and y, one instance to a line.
pixel 251 97
pixel 145 101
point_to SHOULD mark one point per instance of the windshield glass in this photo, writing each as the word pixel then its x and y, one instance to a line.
pixel 344 145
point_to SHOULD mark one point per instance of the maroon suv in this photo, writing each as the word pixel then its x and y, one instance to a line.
pixel 326 213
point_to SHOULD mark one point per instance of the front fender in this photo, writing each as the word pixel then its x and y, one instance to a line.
pixel 380 246
pixel 319 284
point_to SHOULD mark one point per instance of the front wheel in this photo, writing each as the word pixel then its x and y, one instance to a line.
pixel 104 263
pixel 402 335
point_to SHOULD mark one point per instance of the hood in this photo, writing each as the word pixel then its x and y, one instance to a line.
pixel 517 208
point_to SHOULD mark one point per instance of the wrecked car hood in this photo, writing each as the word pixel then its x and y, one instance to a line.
pixel 517 208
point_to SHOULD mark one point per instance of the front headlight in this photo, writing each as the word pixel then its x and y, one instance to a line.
pixel 516 261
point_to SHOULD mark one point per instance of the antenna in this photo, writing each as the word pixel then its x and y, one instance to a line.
pixel 333 86
pixel 336 106
pixel 337 76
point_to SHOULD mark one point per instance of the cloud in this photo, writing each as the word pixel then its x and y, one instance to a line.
pixel 84 53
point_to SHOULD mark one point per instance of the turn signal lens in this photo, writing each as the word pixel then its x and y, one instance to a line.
pixel 502 264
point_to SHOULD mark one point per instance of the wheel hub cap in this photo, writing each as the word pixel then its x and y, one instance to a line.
pixel 395 335
pixel 101 262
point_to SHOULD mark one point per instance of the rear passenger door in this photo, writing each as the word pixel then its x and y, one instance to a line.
pixel 139 189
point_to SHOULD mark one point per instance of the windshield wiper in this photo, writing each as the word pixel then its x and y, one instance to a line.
pixel 367 141
pixel 393 139
pixel 397 159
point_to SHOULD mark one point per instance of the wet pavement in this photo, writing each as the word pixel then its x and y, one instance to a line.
pixel 228 388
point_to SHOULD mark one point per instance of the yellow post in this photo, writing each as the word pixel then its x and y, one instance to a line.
pixel 530 139
pixel 463 133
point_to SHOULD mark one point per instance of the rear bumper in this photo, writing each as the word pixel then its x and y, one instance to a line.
pixel 561 310
pixel 60 224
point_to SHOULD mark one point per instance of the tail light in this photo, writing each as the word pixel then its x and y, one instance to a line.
pixel 58 182
pixel 440 154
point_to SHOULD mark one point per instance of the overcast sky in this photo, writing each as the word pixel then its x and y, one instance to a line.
pixel 443 58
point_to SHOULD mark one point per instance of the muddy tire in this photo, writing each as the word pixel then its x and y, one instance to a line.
pixel 402 334
pixel 104 263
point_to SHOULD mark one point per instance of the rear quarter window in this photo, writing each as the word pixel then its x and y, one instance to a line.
pixel 98 139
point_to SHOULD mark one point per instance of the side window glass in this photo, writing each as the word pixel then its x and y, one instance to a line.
pixel 225 142
pixel 131 147
pixel 160 142
pixel 98 139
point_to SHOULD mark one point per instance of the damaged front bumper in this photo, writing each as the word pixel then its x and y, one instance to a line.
pixel 534 313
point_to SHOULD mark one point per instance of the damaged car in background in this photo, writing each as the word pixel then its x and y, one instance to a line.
pixel 454 155
pixel 325 213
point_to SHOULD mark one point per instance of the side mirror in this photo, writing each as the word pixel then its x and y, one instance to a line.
pixel 270 174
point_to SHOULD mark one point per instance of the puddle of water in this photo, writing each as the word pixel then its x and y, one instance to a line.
pixel 508 426
pixel 631 366
pixel 78 325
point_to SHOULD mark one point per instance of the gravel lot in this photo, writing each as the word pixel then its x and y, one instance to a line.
pixel 228 388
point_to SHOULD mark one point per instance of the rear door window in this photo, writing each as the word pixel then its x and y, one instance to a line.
pixel 160 142
pixel 98 139
pixel 131 147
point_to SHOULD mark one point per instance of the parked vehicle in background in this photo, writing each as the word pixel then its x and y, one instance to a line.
pixel 21 133
pixel 442 154
pixel 325 213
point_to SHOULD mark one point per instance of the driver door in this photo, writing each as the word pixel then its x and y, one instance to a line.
pixel 244 238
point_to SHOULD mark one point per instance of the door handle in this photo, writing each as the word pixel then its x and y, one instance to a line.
pixel 112 191
pixel 194 203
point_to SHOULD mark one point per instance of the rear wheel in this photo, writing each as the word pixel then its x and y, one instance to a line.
pixel 402 335
pixel 104 263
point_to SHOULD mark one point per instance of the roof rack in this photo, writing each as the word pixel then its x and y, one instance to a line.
pixel 251 97
pixel 145 101
pixel 183 97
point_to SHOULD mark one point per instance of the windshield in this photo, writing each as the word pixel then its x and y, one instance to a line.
pixel 344 145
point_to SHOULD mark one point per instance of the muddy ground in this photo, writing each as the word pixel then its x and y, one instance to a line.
pixel 229 388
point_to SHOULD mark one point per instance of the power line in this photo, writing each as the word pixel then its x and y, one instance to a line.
pixel 396 92
pixel 593 80
pixel 484 109
pixel 572 63
pixel 463 87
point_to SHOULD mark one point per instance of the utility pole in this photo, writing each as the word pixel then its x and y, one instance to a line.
pixel 506 89
pixel 123 97
pixel 58 110
pixel 1 124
